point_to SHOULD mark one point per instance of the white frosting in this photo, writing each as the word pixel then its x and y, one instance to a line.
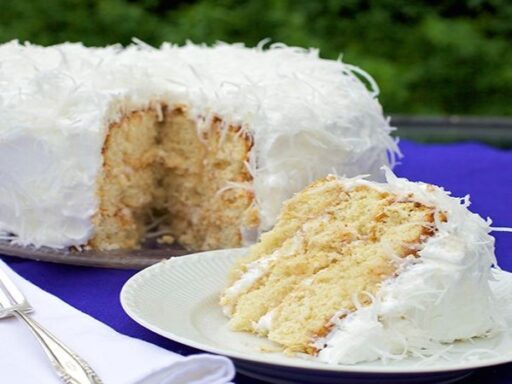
pixel 254 271
pixel 308 117
pixel 265 322
pixel 437 298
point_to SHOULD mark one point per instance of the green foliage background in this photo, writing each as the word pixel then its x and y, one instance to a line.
pixel 429 57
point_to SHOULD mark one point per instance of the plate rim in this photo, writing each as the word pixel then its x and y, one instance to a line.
pixel 130 286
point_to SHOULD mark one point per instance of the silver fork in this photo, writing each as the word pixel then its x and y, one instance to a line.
pixel 69 366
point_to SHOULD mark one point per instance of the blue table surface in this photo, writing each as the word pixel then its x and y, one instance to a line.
pixel 481 171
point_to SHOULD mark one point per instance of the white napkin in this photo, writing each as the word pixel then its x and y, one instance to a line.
pixel 116 358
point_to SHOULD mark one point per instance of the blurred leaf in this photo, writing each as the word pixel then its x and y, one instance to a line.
pixel 447 56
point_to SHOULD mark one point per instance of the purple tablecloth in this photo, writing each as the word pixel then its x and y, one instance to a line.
pixel 463 168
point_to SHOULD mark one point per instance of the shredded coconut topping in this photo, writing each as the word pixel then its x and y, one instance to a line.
pixel 442 296
pixel 307 116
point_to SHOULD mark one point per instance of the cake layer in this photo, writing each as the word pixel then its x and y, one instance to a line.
pixel 126 185
pixel 206 183
pixel 294 214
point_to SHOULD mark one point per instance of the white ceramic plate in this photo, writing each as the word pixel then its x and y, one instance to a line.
pixel 178 299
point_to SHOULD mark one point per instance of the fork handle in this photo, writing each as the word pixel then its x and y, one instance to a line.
pixel 69 366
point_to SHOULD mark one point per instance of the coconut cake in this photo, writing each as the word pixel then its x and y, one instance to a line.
pixel 104 147
pixel 356 270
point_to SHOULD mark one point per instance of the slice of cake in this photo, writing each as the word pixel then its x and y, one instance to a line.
pixel 356 270
pixel 103 147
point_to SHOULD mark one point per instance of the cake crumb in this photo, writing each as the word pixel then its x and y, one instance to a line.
pixel 271 348
pixel 166 239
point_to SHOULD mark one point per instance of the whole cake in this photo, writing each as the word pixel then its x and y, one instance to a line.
pixel 356 271
pixel 104 147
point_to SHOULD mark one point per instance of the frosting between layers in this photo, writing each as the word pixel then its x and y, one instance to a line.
pixel 307 116
pixel 254 271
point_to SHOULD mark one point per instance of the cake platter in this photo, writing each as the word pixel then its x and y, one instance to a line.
pixel 178 299
pixel 149 254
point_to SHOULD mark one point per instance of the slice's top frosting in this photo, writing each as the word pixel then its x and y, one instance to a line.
pixel 308 117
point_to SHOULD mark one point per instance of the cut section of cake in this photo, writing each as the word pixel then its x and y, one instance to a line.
pixel 356 270
pixel 157 168
pixel 104 147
